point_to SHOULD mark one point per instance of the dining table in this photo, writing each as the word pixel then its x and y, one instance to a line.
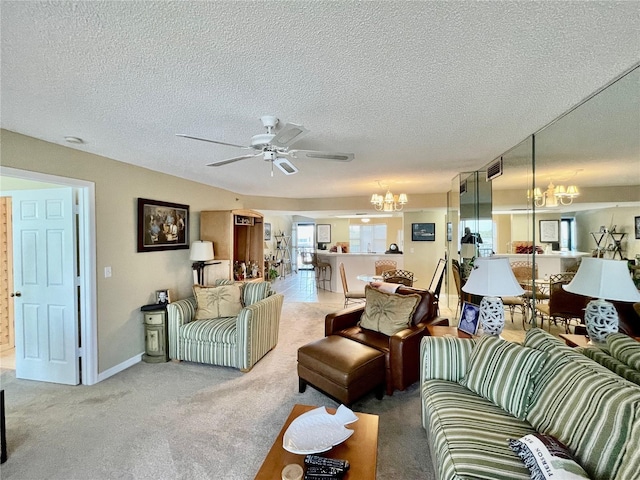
pixel 369 277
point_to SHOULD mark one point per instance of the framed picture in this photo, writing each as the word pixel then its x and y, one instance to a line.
pixel 162 225
pixel 469 318
pixel 549 230
pixel 637 224
pixel 449 231
pixel 323 233
pixel 423 232
pixel 163 296
pixel 267 232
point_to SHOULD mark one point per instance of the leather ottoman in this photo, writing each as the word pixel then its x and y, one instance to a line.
pixel 341 368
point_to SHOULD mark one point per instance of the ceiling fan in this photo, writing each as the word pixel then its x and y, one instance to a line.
pixel 274 147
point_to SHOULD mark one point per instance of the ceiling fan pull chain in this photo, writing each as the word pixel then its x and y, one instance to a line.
pixel 272 168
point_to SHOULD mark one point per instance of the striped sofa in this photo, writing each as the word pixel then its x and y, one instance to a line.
pixel 542 386
pixel 620 354
pixel 238 342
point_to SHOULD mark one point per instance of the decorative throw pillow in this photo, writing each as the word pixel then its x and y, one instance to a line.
pixel 387 313
pixel 217 302
pixel 546 457
pixel 255 291
pixel 625 349
pixel 504 372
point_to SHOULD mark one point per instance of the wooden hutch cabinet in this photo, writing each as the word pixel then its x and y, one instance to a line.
pixel 237 235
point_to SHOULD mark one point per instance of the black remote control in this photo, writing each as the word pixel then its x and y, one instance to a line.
pixel 316 477
pixel 318 461
pixel 324 472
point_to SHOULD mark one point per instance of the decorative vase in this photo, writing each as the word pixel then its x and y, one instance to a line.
pixel 492 315
pixel 601 320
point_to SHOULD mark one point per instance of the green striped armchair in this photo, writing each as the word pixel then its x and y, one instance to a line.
pixel 238 342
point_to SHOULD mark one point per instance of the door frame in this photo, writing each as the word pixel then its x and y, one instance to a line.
pixel 87 264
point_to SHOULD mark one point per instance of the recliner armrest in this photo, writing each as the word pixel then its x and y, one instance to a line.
pixel 349 317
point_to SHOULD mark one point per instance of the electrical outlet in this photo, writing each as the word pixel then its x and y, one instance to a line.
pixel 107 272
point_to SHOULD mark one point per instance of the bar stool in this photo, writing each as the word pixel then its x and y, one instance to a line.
pixel 321 272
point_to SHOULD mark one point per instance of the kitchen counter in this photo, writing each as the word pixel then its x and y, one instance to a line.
pixel 354 264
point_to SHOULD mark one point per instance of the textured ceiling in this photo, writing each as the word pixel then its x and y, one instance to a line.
pixel 418 91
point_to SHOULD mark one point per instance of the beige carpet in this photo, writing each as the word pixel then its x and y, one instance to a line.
pixel 189 421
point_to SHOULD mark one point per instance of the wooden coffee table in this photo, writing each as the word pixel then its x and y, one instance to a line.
pixel 360 449
pixel 575 340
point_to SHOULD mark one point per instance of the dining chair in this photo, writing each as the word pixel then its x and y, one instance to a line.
pixel 398 276
pixel 457 279
pixel 321 269
pixel 564 306
pixel 382 265
pixel 349 297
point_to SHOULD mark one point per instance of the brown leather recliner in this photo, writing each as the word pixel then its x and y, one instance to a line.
pixel 402 350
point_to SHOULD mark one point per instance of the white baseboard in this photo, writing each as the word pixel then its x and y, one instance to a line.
pixel 120 367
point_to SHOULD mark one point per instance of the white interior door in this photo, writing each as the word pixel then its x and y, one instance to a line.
pixel 45 300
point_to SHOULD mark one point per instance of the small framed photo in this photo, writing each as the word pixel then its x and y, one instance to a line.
pixel 423 232
pixel 637 227
pixel 549 231
pixel 267 232
pixel 469 318
pixel 163 297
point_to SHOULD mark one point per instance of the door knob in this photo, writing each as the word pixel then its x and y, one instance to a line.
pixel 17 294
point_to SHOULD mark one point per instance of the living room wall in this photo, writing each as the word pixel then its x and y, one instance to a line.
pixel 135 276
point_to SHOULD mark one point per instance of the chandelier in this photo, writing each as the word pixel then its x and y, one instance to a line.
pixel 390 202
pixel 555 195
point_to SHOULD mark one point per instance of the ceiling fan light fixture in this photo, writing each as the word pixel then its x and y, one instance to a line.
pixel 285 166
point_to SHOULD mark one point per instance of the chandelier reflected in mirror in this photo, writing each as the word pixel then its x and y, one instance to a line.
pixel 555 195
pixel 389 202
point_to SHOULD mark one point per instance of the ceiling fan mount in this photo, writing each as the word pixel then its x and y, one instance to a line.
pixel 273 147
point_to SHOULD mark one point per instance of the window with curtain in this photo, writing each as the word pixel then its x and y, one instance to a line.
pixel 368 238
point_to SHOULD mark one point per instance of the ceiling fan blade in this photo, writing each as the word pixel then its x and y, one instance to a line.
pixel 212 141
pixel 289 134
pixel 339 157
pixel 234 159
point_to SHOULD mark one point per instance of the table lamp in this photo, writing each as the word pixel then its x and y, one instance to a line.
pixel 201 252
pixel 492 278
pixel 602 279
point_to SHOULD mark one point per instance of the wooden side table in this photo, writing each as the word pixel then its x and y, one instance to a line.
pixel 573 340
pixel 440 331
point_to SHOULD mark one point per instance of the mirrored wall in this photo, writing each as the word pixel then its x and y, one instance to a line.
pixel 534 214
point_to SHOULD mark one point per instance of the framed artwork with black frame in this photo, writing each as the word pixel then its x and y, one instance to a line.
pixel 267 232
pixel 323 233
pixel 469 318
pixel 637 227
pixel 162 225
pixel 423 232
pixel 549 231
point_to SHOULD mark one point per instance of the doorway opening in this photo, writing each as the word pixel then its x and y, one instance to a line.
pixel 85 246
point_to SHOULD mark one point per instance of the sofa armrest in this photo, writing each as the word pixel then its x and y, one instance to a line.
pixel 179 313
pixel 257 327
pixel 349 317
pixel 444 358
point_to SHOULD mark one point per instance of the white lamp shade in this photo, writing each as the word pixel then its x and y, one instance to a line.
pixel 492 277
pixel 605 279
pixel 201 251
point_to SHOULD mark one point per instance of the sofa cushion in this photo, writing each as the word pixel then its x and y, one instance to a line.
pixel 468 434
pixel 217 302
pixel 216 330
pixel 387 313
pixel 504 372
pixel 445 358
pixel 588 408
pixel 625 349
pixel 612 363
pixel 547 458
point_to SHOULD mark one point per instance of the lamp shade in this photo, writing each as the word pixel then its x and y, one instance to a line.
pixel 605 279
pixel 201 251
pixel 492 277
